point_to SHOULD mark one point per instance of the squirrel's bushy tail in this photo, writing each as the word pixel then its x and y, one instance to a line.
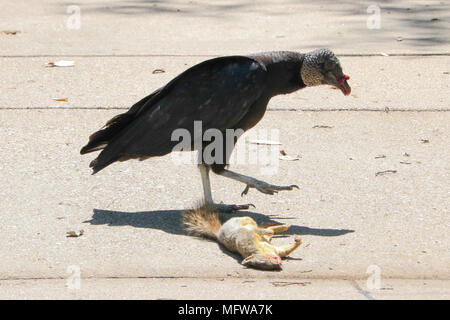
pixel 203 221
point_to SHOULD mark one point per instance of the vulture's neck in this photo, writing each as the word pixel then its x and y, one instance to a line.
pixel 284 70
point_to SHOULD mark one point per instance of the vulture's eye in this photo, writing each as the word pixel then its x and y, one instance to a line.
pixel 329 65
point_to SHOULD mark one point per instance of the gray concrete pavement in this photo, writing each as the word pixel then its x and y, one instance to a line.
pixel 349 217
pixel 374 186
pixel 397 83
pixel 223 27
pixel 222 288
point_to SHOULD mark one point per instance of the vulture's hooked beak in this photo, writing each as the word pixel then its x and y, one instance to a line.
pixel 340 82
pixel 343 85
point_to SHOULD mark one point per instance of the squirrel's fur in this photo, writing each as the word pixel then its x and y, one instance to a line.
pixel 240 234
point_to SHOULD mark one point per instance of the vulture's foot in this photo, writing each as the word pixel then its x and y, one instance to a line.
pixel 267 188
pixel 230 208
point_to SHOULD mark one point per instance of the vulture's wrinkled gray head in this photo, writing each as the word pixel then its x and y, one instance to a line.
pixel 323 67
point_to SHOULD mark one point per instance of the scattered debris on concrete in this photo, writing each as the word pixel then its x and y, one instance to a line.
pixel 10 32
pixel 285 156
pixel 322 127
pixel 381 173
pixel 74 234
pixel 265 142
pixel 61 63
pixel 288 283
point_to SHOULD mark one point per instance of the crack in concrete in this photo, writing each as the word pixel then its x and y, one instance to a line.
pixel 362 291
pixel 269 109
pixel 220 278
pixel 387 55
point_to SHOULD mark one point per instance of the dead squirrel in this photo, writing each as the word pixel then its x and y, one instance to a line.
pixel 242 235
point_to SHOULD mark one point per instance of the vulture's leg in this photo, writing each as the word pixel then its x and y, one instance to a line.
pixel 204 172
pixel 261 186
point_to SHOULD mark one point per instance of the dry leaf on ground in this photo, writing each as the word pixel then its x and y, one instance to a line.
pixel 61 63
pixel 74 234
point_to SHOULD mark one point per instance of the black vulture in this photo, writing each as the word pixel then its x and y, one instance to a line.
pixel 223 93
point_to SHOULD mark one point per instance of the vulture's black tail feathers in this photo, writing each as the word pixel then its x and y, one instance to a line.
pixel 98 140
pixel 98 165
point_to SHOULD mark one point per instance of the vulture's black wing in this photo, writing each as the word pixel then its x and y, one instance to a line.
pixel 217 92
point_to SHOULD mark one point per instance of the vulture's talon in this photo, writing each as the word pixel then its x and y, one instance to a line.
pixel 245 191
pixel 244 206
pixel 266 191
pixel 230 208
pixel 267 188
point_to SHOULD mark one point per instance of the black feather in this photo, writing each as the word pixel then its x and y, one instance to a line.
pixel 98 140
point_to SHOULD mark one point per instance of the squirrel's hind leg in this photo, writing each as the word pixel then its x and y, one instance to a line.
pixel 266 234
pixel 268 231
pixel 279 228
pixel 284 251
